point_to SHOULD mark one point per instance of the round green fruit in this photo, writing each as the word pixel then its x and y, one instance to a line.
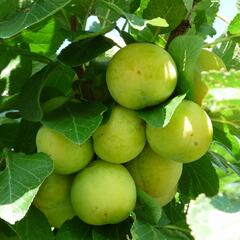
pixel 68 157
pixel 207 61
pixel 103 193
pixel 121 138
pixel 53 199
pixel 155 175
pixel 141 75
pixel 187 136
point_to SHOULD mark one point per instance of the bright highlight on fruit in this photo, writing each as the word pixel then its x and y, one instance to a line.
pixel 141 75
pixel 186 138
pixel 122 138
pixel 103 193
pixel 68 157
pixel 155 175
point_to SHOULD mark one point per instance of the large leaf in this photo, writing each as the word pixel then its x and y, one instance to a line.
pixel 29 105
pixel 214 218
pixel 19 182
pixel 85 50
pixel 45 38
pixel 35 13
pixel 173 11
pixel 198 177
pixel 185 51
pixel 74 229
pixel 234 27
pixel 34 226
pixel 161 115
pixel 76 121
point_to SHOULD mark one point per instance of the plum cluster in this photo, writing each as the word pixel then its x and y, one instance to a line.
pixel 97 180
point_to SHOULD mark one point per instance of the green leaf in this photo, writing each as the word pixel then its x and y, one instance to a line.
pixel 214 218
pixel 85 50
pixel 19 182
pixel 173 11
pixel 9 102
pixel 234 27
pixel 20 74
pixel 161 115
pixel 74 229
pixel 76 121
pixel 29 104
pixel 9 133
pixel 35 13
pixel 34 226
pixel 26 139
pixel 112 232
pixel 185 51
pixel 61 78
pixel 229 52
pixel 203 17
pixel 147 209
pixel 8 7
pixel 198 177
pixel 145 231
pixel 45 38
pixel 188 4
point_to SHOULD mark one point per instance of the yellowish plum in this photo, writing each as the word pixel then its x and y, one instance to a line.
pixel 121 138
pixel 68 157
pixel 186 138
pixel 53 199
pixel 141 75
pixel 155 175
pixel 103 193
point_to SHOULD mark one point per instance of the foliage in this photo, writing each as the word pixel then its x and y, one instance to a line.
pixel 42 83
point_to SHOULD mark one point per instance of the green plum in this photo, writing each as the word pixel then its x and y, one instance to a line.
pixel 155 175
pixel 53 199
pixel 103 193
pixel 68 157
pixel 186 138
pixel 141 75
pixel 121 138
pixel 196 89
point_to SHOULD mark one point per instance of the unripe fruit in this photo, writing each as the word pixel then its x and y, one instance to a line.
pixel 53 199
pixel 68 157
pixel 141 75
pixel 187 136
pixel 207 61
pixel 103 193
pixel 122 138
pixel 155 175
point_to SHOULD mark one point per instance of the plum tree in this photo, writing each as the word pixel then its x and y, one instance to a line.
pixel 103 193
pixel 141 75
pixel 155 175
pixel 121 138
pixel 53 199
pixel 68 157
pixel 187 136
